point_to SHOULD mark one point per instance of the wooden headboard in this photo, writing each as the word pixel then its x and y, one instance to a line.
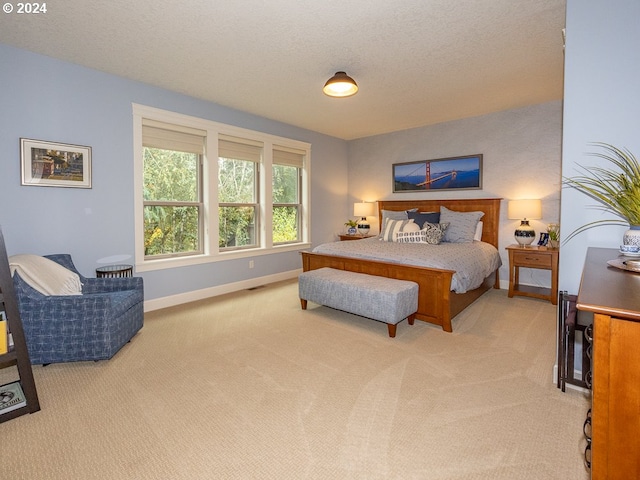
pixel 490 207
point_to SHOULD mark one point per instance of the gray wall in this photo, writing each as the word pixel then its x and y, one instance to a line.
pixel 601 104
pixel 521 150
pixel 47 99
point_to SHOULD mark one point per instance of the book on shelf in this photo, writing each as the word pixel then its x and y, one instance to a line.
pixel 4 337
pixel 11 397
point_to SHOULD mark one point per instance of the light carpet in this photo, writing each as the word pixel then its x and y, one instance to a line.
pixel 248 385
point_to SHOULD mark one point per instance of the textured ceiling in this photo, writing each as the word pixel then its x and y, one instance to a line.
pixel 417 62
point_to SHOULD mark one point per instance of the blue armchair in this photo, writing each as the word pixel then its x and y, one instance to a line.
pixel 91 326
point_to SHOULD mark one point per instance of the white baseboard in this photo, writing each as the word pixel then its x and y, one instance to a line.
pixel 179 299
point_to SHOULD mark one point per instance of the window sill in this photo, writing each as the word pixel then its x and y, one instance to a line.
pixel 165 263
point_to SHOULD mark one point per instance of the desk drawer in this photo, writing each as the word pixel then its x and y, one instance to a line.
pixel 532 260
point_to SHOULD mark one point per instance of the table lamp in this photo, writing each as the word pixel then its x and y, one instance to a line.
pixel 363 210
pixel 524 210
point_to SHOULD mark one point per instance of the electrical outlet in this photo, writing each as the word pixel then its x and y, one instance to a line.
pixel 250 263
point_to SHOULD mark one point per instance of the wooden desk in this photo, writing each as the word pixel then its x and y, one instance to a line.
pixel 613 296
pixel 533 257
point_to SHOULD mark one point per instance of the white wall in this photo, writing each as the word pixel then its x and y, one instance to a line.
pixel 521 150
pixel 47 99
pixel 601 104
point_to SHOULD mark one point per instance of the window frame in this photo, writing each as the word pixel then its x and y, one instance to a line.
pixel 299 203
pixel 199 204
pixel 209 184
pixel 243 150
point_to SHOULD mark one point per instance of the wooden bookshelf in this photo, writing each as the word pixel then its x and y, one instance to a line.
pixel 18 354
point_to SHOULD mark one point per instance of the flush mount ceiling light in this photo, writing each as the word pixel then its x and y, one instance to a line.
pixel 340 85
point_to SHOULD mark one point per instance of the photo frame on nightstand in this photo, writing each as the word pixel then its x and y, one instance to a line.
pixel 544 239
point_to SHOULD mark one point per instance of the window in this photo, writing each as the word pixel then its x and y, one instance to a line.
pixel 172 190
pixel 206 191
pixel 287 201
pixel 238 212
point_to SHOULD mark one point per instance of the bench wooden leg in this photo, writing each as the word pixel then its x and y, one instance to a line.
pixel 392 330
pixel 303 303
pixel 411 318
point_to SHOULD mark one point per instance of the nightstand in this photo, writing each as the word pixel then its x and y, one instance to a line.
pixel 542 258
pixel 344 237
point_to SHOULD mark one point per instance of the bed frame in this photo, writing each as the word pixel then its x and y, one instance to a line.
pixel 437 304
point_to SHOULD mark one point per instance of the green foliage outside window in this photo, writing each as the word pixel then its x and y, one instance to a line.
pixel 285 191
pixel 171 194
pixel 172 203
pixel 285 224
pixel 237 226
pixel 170 230
pixel 237 196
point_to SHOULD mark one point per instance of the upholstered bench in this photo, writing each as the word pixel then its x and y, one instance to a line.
pixel 379 298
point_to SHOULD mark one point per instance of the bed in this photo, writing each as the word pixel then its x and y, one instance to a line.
pixel 437 303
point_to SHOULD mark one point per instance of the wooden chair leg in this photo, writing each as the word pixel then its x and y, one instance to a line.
pixel 411 318
pixel 392 330
pixel 303 303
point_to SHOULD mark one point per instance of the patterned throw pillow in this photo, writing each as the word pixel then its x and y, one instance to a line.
pixel 434 232
pixel 462 225
pixel 391 227
pixel 411 237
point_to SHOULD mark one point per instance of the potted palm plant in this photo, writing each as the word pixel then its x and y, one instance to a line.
pixel 615 187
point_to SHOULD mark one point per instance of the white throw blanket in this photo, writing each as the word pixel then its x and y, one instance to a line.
pixel 46 276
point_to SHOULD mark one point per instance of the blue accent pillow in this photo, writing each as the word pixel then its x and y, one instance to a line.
pixel 424 217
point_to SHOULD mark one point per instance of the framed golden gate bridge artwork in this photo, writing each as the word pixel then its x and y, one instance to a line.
pixel 454 173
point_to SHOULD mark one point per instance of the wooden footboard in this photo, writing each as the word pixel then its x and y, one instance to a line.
pixel 436 303
pixel 433 298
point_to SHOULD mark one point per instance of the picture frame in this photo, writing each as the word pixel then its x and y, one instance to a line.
pixel 453 173
pixel 52 164
pixel 544 239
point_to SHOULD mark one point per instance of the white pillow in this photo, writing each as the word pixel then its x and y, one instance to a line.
pixel 411 227
pixel 478 235
pixel 391 227
pixel 45 275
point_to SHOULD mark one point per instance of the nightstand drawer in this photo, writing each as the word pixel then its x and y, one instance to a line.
pixel 532 259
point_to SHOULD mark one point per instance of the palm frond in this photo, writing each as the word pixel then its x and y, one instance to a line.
pixel 616 188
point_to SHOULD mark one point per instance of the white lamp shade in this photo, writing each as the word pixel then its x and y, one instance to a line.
pixel 524 209
pixel 363 209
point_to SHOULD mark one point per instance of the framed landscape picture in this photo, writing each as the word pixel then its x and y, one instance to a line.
pixel 48 164
pixel 455 173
